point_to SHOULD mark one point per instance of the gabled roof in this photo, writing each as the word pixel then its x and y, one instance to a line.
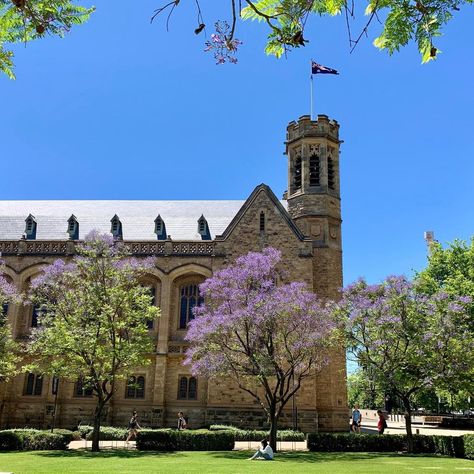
pixel 280 205
pixel 137 217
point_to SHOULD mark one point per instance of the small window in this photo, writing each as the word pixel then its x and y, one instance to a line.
pixel 82 391
pixel 297 175
pixel 73 228
pixel 262 222
pixel 331 176
pixel 187 388
pixel 116 227
pixel 314 171
pixel 30 228
pixel 135 387
pixel 34 384
pixel 203 228
pixel 189 298
pixel 160 228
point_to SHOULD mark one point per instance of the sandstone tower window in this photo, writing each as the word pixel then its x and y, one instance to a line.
pixel 116 228
pixel 314 171
pixel 81 391
pixel 34 384
pixel 189 298
pixel 297 175
pixel 135 387
pixel 187 388
pixel 331 181
pixel 160 228
pixel 262 222
pixel 30 228
pixel 73 228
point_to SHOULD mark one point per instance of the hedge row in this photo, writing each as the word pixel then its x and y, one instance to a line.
pixel 187 440
pixel 258 435
pixel 32 440
pixel 457 446
pixel 109 433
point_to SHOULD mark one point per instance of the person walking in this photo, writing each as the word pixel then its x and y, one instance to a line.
pixel 266 452
pixel 181 421
pixel 382 423
pixel 356 419
pixel 133 426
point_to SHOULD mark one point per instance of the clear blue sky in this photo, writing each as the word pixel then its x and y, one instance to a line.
pixel 120 109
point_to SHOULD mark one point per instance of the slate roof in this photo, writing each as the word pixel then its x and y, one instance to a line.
pixel 137 217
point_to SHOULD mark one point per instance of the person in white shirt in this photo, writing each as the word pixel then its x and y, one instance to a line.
pixel 266 452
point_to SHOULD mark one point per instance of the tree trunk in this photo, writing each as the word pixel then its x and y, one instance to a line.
pixel 273 428
pixel 408 412
pixel 96 432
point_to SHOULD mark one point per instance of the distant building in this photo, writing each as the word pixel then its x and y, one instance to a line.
pixel 190 240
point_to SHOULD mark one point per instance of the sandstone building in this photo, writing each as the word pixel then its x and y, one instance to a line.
pixel 190 240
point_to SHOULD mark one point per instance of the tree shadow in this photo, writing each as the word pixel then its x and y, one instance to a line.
pixel 106 453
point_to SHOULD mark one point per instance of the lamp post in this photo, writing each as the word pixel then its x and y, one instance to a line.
pixel 55 389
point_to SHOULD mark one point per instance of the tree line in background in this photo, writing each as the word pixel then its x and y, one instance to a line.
pixel 267 335
pixel 401 22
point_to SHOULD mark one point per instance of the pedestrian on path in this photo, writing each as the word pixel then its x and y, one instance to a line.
pixel 182 423
pixel 133 426
pixel 382 423
pixel 356 419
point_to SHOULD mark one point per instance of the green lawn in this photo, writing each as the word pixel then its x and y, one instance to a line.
pixel 135 462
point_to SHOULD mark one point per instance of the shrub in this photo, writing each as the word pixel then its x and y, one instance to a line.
pixel 84 430
pixel 31 440
pixel 258 435
pixel 70 435
pixel 109 433
pixel 468 441
pixel 332 442
pixel 188 440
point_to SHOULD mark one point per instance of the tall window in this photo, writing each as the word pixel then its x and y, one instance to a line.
pixel 5 309
pixel 314 171
pixel 34 316
pixel 152 291
pixel 34 384
pixel 187 388
pixel 297 174
pixel 330 173
pixel 189 298
pixel 135 387
pixel 82 391
pixel 262 222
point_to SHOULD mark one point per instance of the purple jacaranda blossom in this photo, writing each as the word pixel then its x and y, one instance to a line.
pixel 222 45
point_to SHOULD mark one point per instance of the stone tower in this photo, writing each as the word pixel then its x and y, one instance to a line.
pixel 312 148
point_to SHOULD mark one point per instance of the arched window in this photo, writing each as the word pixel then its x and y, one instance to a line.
pixel 189 298
pixel 314 171
pixel 135 387
pixel 331 180
pixel 34 384
pixel 297 175
pixel 187 388
pixel 152 291
pixel 82 391
pixel 34 316
pixel 262 222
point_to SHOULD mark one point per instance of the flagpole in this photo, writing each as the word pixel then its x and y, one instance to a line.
pixel 311 88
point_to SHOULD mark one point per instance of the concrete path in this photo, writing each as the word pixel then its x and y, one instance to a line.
pixel 398 427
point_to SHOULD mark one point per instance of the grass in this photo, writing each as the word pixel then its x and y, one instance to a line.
pixel 133 462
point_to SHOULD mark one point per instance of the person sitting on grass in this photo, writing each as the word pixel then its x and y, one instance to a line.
pixel 266 452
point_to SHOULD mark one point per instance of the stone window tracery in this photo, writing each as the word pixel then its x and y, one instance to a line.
pixel 34 384
pixel 187 388
pixel 135 387
pixel 188 299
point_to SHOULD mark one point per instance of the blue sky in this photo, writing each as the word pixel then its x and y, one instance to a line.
pixel 121 109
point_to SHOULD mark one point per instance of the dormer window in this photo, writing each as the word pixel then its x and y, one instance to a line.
pixel 160 228
pixel 73 228
pixel 203 229
pixel 30 228
pixel 116 228
pixel 262 222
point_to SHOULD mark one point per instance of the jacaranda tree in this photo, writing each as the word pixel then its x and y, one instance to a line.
pixel 265 336
pixel 93 327
pixel 8 348
pixel 408 340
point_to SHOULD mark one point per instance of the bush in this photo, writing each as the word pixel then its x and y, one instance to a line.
pixel 109 433
pixel 468 441
pixel 70 435
pixel 258 435
pixel 188 440
pixel 84 430
pixel 333 442
pixel 31 440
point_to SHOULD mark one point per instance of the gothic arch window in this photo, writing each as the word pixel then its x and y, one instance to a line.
pixel 262 221
pixel 297 177
pixel 187 388
pixel 188 299
pixel 135 387
pixel 331 174
pixel 314 170
pixel 34 385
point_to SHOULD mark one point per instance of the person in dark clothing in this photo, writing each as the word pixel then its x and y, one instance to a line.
pixel 182 423
pixel 382 423
pixel 133 427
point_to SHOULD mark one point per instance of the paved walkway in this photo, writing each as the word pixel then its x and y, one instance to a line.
pixel 398 427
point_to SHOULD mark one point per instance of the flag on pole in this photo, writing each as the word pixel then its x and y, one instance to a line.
pixel 319 69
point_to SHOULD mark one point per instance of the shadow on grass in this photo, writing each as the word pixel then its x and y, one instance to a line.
pixel 105 453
